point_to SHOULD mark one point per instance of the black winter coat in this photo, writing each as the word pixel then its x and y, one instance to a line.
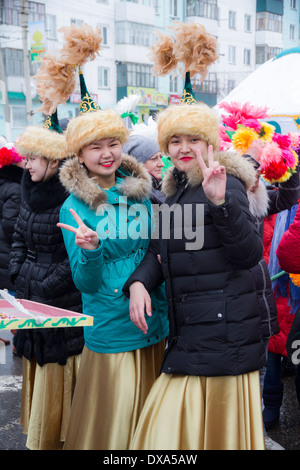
pixel 10 199
pixel 39 263
pixel 215 327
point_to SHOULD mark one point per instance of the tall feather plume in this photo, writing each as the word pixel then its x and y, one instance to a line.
pixel 191 45
pixel 55 82
pixel 82 43
pixel 163 55
pixel 195 48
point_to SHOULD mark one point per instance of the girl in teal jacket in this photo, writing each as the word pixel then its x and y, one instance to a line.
pixel 106 223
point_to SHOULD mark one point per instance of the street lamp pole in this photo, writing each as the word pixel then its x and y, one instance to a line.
pixel 26 64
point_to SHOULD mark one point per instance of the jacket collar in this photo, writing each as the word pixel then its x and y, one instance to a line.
pixel 136 182
pixel 44 195
pixel 236 166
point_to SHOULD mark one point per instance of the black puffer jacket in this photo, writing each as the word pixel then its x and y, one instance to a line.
pixel 10 199
pixel 39 263
pixel 215 326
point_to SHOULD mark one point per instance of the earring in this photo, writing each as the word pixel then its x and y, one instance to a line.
pixel 81 165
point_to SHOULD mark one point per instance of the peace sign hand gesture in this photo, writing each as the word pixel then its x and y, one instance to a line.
pixel 214 178
pixel 86 238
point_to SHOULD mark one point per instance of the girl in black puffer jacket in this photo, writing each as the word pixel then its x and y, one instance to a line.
pixel 40 267
pixel 208 394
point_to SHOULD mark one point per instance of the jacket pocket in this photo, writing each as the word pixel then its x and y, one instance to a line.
pixel 203 322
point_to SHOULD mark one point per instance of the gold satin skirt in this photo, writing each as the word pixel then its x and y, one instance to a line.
pixel 110 392
pixel 47 394
pixel 202 413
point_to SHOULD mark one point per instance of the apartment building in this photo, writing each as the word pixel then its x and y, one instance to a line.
pixel 249 32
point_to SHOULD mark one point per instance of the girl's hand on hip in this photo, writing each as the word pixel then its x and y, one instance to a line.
pixel 86 238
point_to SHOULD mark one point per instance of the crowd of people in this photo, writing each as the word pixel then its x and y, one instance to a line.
pixel 179 356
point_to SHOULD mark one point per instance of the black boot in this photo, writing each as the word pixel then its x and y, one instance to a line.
pixel 272 397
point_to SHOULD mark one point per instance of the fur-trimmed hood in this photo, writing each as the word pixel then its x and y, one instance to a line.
pixel 136 181
pixel 236 166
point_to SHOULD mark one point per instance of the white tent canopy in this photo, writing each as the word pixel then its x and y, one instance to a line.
pixel 275 84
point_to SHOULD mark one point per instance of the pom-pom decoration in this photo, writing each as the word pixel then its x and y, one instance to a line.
pixel 81 44
pixel 243 125
pixel 191 47
pixel 9 156
pixel 55 82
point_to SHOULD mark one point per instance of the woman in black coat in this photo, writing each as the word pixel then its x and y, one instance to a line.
pixel 40 266
pixel 215 347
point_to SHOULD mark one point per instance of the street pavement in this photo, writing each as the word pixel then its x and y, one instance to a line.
pixel 286 432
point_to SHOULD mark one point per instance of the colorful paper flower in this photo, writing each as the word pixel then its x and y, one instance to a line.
pixel 279 154
pixel 243 138
pixel 270 152
pixel 295 139
pixel 266 132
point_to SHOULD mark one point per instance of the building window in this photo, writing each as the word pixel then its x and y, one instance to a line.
pixel 230 85
pixel 156 6
pixel 247 56
pixel 173 84
pixel 293 4
pixel 209 85
pixel 203 8
pixel 231 54
pixel 174 8
pixel 248 23
pixel 19 116
pixel 51 26
pixel 10 12
pixel 13 62
pixel 103 77
pixel 265 53
pixel 266 21
pixel 104 33
pixel 76 22
pixel 138 75
pixel 292 32
pixel 102 1
pixel 232 19
pixel 138 34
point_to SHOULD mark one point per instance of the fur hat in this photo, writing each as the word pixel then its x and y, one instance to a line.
pixel 190 119
pixel 41 142
pixel 97 125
